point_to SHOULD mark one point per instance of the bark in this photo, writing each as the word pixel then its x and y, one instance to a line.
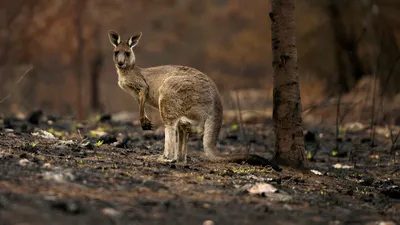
pixel 287 109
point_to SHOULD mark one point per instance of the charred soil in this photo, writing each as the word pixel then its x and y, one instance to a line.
pixel 108 173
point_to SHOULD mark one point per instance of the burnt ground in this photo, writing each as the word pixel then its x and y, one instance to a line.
pixel 108 173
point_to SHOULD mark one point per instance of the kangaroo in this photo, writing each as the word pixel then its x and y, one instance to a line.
pixel 186 99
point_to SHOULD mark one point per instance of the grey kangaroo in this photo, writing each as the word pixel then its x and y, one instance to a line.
pixel 187 99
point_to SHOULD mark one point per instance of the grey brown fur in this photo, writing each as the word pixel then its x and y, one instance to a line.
pixel 187 99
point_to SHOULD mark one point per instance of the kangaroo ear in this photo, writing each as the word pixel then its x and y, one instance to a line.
pixel 134 40
pixel 114 37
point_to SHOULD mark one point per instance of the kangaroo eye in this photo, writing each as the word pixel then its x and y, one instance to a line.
pixel 116 53
pixel 127 54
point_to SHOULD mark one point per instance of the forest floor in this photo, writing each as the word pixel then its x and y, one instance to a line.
pixel 63 172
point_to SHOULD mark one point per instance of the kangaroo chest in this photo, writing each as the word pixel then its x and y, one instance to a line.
pixel 130 88
pixel 133 88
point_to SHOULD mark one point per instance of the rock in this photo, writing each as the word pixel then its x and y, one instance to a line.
pixel 316 172
pixel 86 145
pixel 262 189
pixel 386 223
pixel 8 130
pixel 367 181
pixel 44 134
pixel 110 212
pixel 105 118
pixel 342 166
pixel 58 176
pixel 46 165
pixel 35 116
pixel 208 222
pixel 392 191
pixel 309 136
pixel 108 139
pixel 70 207
pixel 24 162
pixel 65 144
pixel 123 143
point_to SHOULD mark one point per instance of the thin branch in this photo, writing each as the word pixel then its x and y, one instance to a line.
pixel 241 123
pixel 18 81
pixel 373 119
pixel 337 121
pixel 393 140
pixel 5 98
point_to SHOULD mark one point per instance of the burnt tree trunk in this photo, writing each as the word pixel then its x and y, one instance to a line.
pixel 287 109
pixel 80 6
pixel 94 80
pixel 349 66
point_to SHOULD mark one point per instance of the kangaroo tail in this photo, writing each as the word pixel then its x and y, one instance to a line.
pixel 212 127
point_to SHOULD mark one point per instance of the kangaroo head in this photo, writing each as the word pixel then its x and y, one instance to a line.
pixel 123 50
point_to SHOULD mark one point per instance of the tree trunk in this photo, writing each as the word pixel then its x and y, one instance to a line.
pixel 287 109
pixel 79 59
pixel 349 66
pixel 94 80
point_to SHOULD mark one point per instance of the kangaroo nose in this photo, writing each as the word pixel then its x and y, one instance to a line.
pixel 120 63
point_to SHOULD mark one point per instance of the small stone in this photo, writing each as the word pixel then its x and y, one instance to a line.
pixel 24 162
pixel 8 130
pixel 44 134
pixel 108 139
pixel 110 212
pixel 262 188
pixel 105 118
pixel 392 192
pixel 47 165
pixel 208 222
pixel 70 207
pixel 34 117
pixel 58 176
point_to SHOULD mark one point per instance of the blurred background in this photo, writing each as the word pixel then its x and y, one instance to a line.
pixel 55 54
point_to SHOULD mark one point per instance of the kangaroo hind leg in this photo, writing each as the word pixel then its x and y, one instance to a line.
pixel 183 138
pixel 170 145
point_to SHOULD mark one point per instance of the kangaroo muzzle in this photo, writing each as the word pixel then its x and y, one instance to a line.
pixel 120 60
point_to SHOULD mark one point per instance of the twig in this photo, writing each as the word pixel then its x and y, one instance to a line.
pixel 385 86
pixel 5 98
pixel 18 81
pixel 337 120
pixel 373 121
pixel 241 122
pixel 348 109
pixel 393 140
